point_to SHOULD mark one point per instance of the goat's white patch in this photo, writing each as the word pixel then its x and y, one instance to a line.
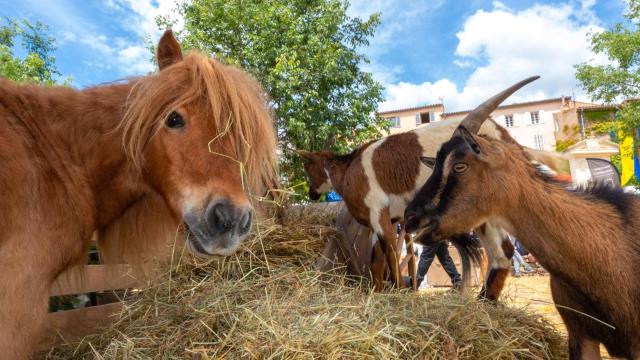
pixel 435 134
pixel 328 177
pixel 432 136
pixel 397 204
pixel 492 241
pixel 505 224
pixel 376 198
pixel 443 181
pixel 327 185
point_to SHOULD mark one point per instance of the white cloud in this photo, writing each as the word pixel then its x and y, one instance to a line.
pixel 404 94
pixel 463 63
pixel 544 40
pixel 126 56
pixel 136 58
pixel 140 15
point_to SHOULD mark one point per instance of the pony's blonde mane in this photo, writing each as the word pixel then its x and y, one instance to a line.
pixel 236 105
pixel 238 111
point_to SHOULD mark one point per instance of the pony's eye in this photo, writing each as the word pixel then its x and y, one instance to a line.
pixel 460 167
pixel 174 121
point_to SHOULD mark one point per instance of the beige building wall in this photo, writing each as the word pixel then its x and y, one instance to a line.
pixel 540 135
pixel 407 118
pixel 557 120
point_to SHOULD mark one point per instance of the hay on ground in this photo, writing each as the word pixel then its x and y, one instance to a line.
pixel 268 301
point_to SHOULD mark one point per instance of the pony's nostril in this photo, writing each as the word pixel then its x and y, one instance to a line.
pixel 222 217
pixel 245 223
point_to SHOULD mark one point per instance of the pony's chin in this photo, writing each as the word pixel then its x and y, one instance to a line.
pixel 198 249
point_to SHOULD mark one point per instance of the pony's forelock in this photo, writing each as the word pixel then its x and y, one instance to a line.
pixel 233 100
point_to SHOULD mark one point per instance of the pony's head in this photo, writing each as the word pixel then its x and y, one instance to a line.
pixel 201 134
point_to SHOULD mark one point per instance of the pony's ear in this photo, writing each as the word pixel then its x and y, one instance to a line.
pixel 169 51
pixel 429 161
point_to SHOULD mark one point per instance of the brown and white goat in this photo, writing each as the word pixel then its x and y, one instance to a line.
pixel 588 240
pixel 378 180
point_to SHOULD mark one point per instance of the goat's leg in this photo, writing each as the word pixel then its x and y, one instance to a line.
pixel 499 252
pixel 387 238
pixel 412 261
pixel 581 348
pixel 378 266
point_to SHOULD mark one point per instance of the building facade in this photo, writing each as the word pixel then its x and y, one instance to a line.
pixel 403 120
pixel 536 124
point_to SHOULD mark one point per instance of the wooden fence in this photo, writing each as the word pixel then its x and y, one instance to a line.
pixel 71 325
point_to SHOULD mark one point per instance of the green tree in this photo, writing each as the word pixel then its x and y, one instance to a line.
pixel 620 79
pixel 38 64
pixel 306 55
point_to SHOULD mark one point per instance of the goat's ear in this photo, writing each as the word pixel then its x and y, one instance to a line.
pixel 169 51
pixel 469 139
pixel 429 161
pixel 304 155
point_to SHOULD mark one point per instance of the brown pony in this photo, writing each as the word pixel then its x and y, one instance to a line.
pixel 130 160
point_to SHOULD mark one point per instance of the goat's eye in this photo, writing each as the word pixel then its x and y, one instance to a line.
pixel 460 167
pixel 174 121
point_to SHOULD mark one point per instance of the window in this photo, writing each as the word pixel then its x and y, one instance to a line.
pixel 395 122
pixel 508 121
pixel 557 125
pixel 535 117
pixel 423 118
pixel 538 142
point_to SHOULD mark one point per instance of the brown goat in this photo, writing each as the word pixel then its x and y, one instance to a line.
pixel 588 239
pixel 378 180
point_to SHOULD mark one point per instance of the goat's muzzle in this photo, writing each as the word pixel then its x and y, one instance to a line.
pixel 314 195
pixel 422 221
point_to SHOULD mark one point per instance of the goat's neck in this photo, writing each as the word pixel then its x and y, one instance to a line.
pixel 567 233
pixel 337 170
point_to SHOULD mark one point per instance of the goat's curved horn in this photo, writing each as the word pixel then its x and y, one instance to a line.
pixel 476 118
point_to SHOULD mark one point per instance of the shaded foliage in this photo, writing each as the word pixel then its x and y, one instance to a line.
pixel 38 63
pixel 620 79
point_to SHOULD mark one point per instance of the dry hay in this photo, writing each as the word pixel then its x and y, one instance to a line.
pixel 267 301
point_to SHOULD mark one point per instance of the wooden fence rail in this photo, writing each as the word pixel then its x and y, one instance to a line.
pixel 71 325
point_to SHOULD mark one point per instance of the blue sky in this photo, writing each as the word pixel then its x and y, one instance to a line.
pixel 423 52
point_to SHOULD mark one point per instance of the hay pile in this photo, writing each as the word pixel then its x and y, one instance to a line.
pixel 268 302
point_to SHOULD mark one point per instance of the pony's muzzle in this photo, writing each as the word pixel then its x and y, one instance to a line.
pixel 220 229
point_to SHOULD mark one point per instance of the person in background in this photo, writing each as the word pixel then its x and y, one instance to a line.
pixel 441 250
pixel 518 261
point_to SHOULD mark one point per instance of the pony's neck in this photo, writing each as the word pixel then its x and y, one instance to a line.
pixel 566 232
pixel 78 133
pixel 115 181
